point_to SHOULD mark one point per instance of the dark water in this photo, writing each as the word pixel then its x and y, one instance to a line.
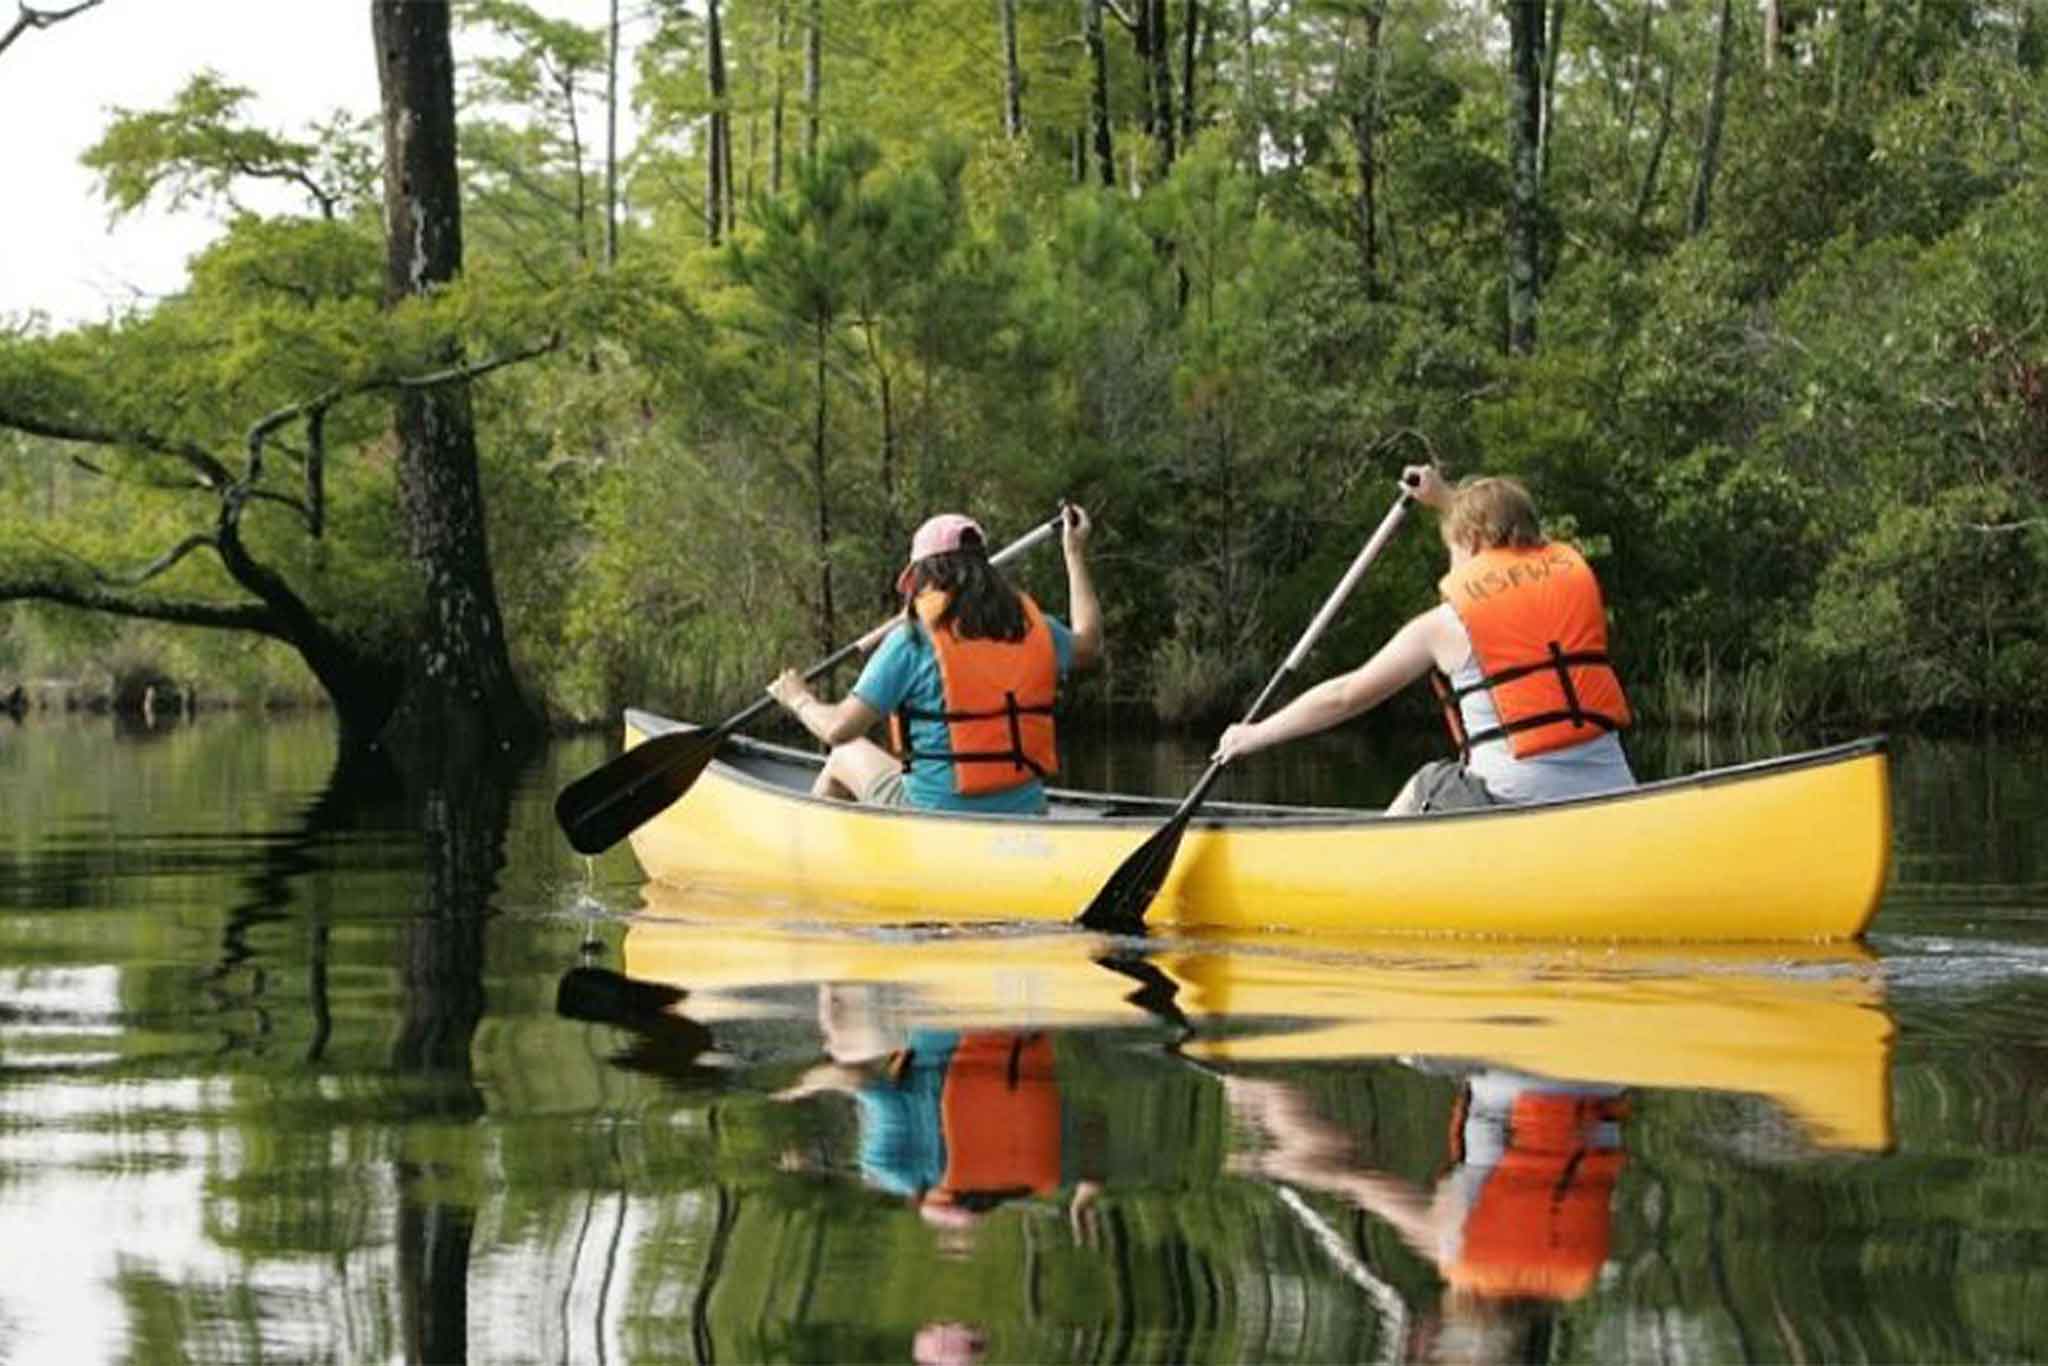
pixel 303 1069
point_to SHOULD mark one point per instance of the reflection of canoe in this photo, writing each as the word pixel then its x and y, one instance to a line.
pixel 1793 848
pixel 1804 1027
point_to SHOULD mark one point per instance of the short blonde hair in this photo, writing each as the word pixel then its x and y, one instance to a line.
pixel 1492 512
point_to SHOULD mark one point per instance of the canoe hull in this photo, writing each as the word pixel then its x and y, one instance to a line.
pixel 1794 849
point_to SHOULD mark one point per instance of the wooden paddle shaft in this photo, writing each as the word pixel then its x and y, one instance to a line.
pixel 1387 527
pixel 1380 536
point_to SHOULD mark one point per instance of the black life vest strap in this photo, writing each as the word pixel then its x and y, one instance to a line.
pixel 1014 755
pixel 1560 661
pixel 1548 718
pixel 920 714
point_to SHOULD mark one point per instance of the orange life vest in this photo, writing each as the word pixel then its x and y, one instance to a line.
pixel 998 703
pixel 1000 1113
pixel 1542 1223
pixel 1539 631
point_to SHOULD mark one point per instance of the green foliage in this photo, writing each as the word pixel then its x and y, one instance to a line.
pixel 1834 395
pixel 198 150
pixel 1938 607
pixel 533 147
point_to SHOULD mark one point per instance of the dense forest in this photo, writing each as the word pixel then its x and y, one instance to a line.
pixel 1740 291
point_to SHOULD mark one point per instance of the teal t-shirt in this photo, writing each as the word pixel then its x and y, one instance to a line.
pixel 902 1130
pixel 905 670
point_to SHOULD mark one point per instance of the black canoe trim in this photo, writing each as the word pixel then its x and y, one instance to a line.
pixel 740 758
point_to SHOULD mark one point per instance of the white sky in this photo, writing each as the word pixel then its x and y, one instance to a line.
pixel 59 254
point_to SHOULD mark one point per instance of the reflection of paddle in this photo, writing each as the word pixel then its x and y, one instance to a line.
pixel 666 1044
pixel 1157 991
pixel 1119 908
pixel 607 804
pixel 602 996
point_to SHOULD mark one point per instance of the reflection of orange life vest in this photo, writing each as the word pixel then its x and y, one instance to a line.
pixel 1539 633
pixel 998 707
pixel 1000 1113
pixel 1540 1227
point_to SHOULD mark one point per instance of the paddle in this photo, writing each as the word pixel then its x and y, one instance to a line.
pixel 608 803
pixel 1119 908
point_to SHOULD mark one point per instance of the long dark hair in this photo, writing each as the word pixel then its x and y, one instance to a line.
pixel 980 604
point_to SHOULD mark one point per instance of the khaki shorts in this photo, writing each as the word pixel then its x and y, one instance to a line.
pixel 886 790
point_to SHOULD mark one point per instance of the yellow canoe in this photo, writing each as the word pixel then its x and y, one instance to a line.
pixel 1802 1026
pixel 1795 848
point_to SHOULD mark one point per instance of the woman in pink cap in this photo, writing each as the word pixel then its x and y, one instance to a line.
pixel 968 682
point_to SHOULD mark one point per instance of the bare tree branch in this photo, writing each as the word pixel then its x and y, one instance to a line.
pixel 135 578
pixel 212 473
pixel 315 465
pixel 160 485
pixel 278 611
pixel 226 616
pixel 32 18
pixel 161 564
pixel 320 403
pixel 314 412
pixel 459 373
pixel 284 500
pixel 325 200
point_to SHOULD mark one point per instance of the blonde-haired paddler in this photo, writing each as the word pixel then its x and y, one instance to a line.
pixel 1518 648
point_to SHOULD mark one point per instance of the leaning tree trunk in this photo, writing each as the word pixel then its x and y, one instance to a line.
pixel 461 687
pixel 1525 192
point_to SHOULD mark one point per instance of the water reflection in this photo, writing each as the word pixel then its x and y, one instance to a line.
pixel 1518 1220
pixel 1023 1145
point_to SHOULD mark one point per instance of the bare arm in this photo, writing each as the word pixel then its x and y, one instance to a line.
pixel 1306 1149
pixel 832 722
pixel 1402 660
pixel 1083 609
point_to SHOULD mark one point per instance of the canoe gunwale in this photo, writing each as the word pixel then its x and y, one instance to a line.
pixel 1115 810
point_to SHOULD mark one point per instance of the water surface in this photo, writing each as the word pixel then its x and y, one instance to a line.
pixel 297 1065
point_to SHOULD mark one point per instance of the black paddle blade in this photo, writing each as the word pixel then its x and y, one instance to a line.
pixel 1119 908
pixel 607 804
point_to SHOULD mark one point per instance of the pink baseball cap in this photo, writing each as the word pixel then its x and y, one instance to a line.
pixel 937 536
